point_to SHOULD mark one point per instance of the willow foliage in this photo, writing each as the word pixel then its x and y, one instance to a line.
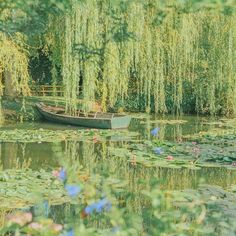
pixel 13 60
pixel 171 58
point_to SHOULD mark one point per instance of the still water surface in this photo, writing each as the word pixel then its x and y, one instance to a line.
pixel 95 157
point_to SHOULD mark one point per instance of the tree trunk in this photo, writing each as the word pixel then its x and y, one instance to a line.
pixel 9 90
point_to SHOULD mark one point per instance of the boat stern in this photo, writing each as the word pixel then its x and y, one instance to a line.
pixel 120 122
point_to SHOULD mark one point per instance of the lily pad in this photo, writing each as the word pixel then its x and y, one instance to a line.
pixel 24 187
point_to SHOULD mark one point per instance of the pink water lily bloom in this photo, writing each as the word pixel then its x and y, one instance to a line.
pixel 57 227
pixel 35 225
pixel 170 158
pixel 56 173
pixel 20 218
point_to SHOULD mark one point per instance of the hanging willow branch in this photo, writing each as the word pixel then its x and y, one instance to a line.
pixel 171 58
pixel 14 61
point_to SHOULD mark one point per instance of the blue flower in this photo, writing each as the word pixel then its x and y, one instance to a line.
pixel 72 190
pixel 62 174
pixel 155 131
pixel 69 233
pixel 99 206
pixel 90 208
pixel 103 204
pixel 158 150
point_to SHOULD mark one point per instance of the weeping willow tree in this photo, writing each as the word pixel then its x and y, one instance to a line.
pixel 175 60
pixel 13 66
pixel 14 75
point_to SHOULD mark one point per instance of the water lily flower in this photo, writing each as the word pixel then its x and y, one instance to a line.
pixel 35 226
pixel 196 151
pixel 55 173
pixel 95 140
pixel 158 150
pixel 56 227
pixel 170 158
pixel 60 174
pixel 73 190
pixel 194 143
pixel 155 131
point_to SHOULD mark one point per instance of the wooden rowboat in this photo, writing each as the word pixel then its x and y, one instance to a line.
pixel 92 120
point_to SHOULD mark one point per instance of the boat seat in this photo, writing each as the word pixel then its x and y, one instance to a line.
pixel 60 112
pixel 104 115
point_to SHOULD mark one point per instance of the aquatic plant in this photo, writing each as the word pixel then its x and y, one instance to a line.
pixel 48 135
pixel 19 188
pixel 184 212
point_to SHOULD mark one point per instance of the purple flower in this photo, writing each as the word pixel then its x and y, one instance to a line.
pixel 158 150
pixel 155 131
pixel 62 175
pixel 73 190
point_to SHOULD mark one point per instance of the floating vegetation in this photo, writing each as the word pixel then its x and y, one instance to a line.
pixel 223 122
pixel 165 122
pixel 203 208
pixel 215 204
pixel 24 187
pixel 205 150
pixel 43 135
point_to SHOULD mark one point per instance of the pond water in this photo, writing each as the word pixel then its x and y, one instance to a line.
pixel 95 156
pixel 35 149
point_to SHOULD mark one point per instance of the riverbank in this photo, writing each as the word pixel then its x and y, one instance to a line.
pixel 20 109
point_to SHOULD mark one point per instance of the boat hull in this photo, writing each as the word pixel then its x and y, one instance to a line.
pixel 100 123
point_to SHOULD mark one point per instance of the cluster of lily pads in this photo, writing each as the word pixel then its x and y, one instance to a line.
pixel 74 190
pixel 191 152
pixel 27 223
pixel 23 188
pixel 209 210
pixel 102 205
pixel 46 135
